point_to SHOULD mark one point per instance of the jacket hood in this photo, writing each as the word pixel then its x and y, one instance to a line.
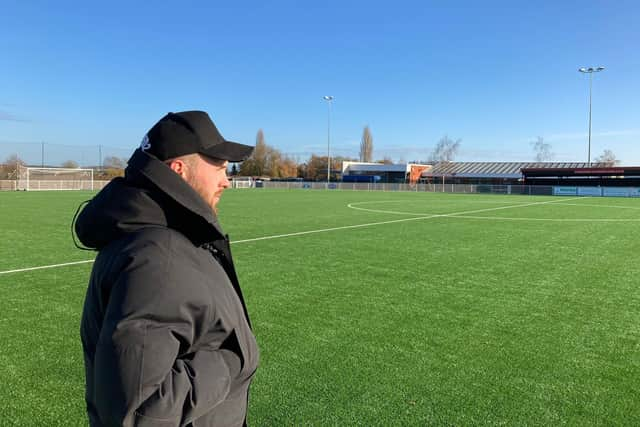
pixel 150 194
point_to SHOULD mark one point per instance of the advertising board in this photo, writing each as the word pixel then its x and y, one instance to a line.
pixel 590 191
pixel 565 191
pixel 616 191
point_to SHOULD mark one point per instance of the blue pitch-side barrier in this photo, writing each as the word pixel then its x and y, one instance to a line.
pixel 361 178
pixel 532 190
pixel 596 191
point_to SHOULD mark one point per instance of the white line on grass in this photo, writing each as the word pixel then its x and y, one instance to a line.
pixel 501 218
pixel 345 227
pixel 353 206
pixel 600 206
pixel 509 207
pixel 20 270
pixel 324 230
pixel 498 218
pixel 424 216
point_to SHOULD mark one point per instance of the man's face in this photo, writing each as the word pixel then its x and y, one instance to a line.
pixel 209 178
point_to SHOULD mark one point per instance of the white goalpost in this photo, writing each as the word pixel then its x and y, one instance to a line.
pixel 242 182
pixel 35 178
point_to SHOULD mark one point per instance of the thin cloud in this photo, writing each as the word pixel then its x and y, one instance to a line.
pixel 8 117
pixel 569 136
pixel 628 132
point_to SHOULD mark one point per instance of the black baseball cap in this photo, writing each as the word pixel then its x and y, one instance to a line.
pixel 190 132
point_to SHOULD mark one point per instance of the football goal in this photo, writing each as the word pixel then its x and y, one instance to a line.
pixel 242 182
pixel 34 178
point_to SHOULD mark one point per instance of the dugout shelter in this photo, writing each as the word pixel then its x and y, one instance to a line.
pixel 491 173
pixel 594 176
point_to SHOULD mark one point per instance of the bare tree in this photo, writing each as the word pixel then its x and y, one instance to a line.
pixel 542 150
pixel 9 168
pixel 386 160
pixel 274 163
pixel 114 162
pixel 288 168
pixel 112 166
pixel 108 173
pixel 366 146
pixel 256 164
pixel 315 169
pixel 268 161
pixel 71 164
pixel 445 150
pixel 607 158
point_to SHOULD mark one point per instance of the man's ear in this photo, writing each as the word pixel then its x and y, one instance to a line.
pixel 179 166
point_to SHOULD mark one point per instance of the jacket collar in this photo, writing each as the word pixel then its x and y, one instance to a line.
pixel 143 166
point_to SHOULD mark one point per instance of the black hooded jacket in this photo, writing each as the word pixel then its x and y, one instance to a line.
pixel 165 331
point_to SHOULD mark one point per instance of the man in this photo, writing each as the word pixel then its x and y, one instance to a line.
pixel 165 331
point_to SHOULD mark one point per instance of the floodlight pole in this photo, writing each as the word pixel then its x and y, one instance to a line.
pixel 590 71
pixel 329 100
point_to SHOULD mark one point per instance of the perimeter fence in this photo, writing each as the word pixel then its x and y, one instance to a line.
pixel 44 154
pixel 529 190
pixel 42 185
pixel 434 188
pixel 11 185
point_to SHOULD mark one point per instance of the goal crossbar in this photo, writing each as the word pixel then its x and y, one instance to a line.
pixel 48 178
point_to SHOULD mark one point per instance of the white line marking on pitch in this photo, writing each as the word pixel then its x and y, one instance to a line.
pixel 600 206
pixel 46 266
pixel 302 233
pixel 427 216
pixel 352 206
pixel 500 218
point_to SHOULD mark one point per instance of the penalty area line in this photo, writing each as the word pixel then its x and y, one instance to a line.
pixel 42 267
pixel 324 230
pixel 278 236
pixel 344 227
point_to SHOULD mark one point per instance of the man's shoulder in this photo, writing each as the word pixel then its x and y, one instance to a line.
pixel 156 239
pixel 151 251
pixel 153 243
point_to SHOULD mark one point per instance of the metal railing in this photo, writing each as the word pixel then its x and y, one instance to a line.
pixel 433 188
pixel 54 185
pixel 529 190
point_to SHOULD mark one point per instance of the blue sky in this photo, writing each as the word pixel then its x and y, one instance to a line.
pixel 495 74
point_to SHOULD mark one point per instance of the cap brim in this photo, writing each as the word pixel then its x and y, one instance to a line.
pixel 231 151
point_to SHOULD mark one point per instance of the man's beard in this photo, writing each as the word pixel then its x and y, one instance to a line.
pixel 202 191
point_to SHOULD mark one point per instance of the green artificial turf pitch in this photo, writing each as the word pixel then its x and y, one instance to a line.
pixel 372 308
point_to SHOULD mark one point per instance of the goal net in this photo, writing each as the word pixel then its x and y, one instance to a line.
pixel 32 178
pixel 242 182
